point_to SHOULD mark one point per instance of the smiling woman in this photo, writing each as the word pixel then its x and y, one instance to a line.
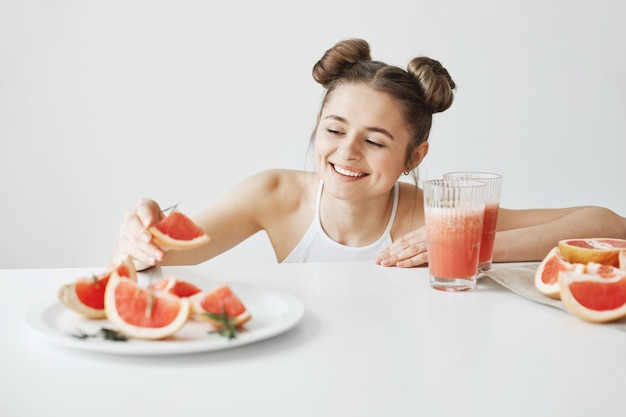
pixel 372 127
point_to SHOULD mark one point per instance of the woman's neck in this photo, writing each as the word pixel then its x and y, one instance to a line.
pixel 355 223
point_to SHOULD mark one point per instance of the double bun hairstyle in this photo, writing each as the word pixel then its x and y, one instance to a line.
pixel 424 88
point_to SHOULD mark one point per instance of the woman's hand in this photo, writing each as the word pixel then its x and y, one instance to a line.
pixel 135 239
pixel 407 251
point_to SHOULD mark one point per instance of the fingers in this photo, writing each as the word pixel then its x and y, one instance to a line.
pixel 405 252
pixel 417 260
pixel 410 256
pixel 148 212
pixel 135 240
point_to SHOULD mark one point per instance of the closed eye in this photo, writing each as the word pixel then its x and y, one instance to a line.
pixel 375 144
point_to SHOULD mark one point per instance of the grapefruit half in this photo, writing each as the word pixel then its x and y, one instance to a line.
pixel 220 301
pixel 175 286
pixel 177 231
pixel 599 250
pixel 86 294
pixel 622 259
pixel 547 274
pixel 593 297
pixel 140 313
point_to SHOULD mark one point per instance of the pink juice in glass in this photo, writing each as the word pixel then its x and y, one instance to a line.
pixel 453 242
pixel 493 182
pixel 489 233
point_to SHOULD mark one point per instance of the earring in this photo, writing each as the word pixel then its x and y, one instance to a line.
pixel 406 172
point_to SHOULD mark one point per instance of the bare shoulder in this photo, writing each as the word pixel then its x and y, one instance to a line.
pixel 282 184
pixel 278 191
pixel 410 195
pixel 284 205
pixel 410 214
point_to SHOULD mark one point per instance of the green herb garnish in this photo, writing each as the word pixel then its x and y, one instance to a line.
pixel 226 326
pixel 94 277
pixel 106 334
pixel 171 208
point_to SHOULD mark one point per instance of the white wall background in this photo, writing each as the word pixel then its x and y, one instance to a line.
pixel 104 102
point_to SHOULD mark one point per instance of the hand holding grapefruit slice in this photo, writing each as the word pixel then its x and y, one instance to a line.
pixel 140 313
pixel 177 231
pixel 595 297
pixel 599 250
pixel 86 294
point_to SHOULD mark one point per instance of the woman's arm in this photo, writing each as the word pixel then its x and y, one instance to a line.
pixel 528 235
pixel 252 205
pixel 243 211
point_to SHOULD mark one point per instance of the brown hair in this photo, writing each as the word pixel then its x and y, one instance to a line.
pixel 423 89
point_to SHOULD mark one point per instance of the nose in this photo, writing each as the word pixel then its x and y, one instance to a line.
pixel 349 148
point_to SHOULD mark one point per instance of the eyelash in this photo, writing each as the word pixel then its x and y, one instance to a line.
pixel 369 141
pixel 375 144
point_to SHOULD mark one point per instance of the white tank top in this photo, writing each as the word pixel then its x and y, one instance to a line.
pixel 317 246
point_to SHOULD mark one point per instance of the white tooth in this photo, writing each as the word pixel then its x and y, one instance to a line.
pixel 346 172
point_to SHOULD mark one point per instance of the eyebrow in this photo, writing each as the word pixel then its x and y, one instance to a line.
pixel 370 129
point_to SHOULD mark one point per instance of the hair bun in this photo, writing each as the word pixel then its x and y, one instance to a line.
pixel 341 56
pixel 435 81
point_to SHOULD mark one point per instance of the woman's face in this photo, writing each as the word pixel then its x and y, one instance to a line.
pixel 360 143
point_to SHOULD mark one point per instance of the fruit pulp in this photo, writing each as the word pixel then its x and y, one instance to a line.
pixel 488 236
pixel 453 238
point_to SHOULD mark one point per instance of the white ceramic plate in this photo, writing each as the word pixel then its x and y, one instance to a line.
pixel 273 313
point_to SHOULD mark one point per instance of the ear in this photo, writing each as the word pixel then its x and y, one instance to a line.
pixel 418 155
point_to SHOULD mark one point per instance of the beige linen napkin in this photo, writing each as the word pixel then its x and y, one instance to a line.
pixel 521 280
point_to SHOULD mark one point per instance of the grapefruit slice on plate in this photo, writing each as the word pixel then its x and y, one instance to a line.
pixel 622 259
pixel 177 231
pixel 140 313
pixel 594 297
pixel 599 250
pixel 220 301
pixel 175 286
pixel 86 294
pixel 547 274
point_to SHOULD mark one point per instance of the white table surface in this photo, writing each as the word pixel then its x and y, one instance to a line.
pixel 373 341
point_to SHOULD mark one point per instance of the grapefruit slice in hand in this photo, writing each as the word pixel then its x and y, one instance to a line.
pixel 595 297
pixel 221 301
pixel 177 231
pixel 599 250
pixel 86 294
pixel 140 313
pixel 547 274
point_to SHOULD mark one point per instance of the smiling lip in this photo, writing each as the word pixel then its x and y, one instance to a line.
pixel 348 172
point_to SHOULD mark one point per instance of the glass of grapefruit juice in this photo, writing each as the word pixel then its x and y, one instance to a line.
pixel 454 212
pixel 492 205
